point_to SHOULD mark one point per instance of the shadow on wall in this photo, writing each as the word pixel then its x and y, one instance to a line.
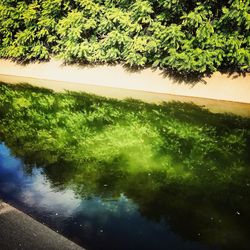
pixel 191 78
pixel 187 78
pixel 173 75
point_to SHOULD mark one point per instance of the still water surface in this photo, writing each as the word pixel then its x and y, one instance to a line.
pixel 111 222
pixel 114 174
pixel 95 223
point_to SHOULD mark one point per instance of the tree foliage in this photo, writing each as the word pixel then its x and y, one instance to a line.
pixel 182 35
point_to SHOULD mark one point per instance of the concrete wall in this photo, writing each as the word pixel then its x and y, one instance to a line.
pixel 220 93
pixel 220 87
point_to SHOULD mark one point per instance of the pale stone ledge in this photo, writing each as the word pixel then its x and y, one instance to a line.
pixel 220 87
pixel 148 85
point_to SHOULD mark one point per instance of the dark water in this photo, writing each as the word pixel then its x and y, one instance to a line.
pixel 119 222
pixel 96 223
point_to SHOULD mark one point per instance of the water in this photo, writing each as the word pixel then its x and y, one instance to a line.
pixel 126 175
pixel 96 222
pixel 115 222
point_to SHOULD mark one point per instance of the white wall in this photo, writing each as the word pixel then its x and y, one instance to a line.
pixel 220 87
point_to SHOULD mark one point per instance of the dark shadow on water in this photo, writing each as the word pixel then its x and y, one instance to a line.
pixel 28 87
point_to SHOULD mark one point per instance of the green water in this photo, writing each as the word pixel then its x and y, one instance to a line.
pixel 177 162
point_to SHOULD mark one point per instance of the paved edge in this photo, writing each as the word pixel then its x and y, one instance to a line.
pixel 18 231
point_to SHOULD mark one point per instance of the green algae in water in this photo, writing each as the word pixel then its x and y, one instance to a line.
pixel 176 161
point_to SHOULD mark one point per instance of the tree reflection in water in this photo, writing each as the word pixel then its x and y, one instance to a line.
pixel 176 165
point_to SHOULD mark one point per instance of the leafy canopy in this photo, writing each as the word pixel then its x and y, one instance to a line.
pixel 183 35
